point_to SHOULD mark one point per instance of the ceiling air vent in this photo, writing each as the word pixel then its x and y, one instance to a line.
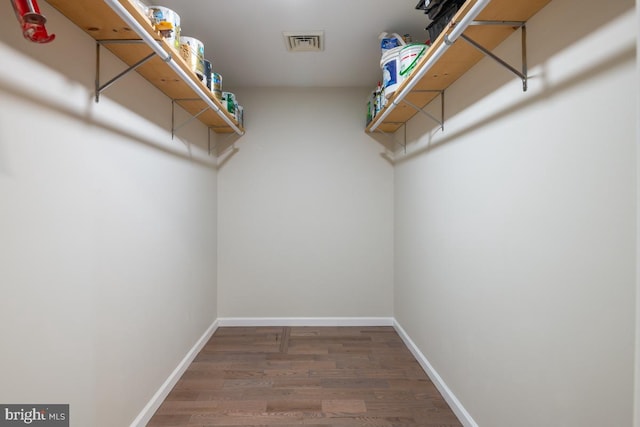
pixel 309 41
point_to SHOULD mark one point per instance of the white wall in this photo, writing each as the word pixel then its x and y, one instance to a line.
pixel 108 231
pixel 305 210
pixel 515 229
pixel 515 232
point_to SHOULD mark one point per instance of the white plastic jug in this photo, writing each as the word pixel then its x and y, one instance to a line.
pixel 389 41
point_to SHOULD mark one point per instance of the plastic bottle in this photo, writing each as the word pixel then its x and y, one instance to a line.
pixel 374 101
pixel 389 41
pixel 378 95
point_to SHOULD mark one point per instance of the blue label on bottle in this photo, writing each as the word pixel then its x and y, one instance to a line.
pixel 389 43
pixel 389 73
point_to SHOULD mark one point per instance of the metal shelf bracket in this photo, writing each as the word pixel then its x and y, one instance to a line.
pixel 420 110
pixel 101 88
pixel 175 128
pixel 518 24
pixel 426 113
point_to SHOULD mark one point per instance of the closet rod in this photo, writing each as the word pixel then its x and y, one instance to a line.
pixel 166 57
pixel 449 39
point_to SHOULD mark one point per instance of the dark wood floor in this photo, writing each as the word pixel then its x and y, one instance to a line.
pixel 305 376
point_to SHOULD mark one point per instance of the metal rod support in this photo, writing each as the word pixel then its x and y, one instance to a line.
pixel 420 110
pixel 101 88
pixel 186 122
pixel 494 57
pixel 125 72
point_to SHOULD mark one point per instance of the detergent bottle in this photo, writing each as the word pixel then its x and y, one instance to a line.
pixel 389 41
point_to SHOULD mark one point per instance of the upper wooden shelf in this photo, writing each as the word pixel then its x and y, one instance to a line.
pixel 98 20
pixel 457 60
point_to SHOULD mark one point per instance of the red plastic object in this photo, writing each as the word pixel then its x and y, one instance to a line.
pixel 31 21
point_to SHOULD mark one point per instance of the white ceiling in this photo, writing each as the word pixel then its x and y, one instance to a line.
pixel 244 41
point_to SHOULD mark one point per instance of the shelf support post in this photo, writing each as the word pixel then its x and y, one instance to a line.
pixel 442 109
pixel 173 116
pixel 525 71
pixel 97 81
pixel 404 127
pixel 522 74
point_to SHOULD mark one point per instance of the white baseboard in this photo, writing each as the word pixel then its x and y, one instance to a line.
pixel 152 406
pixel 305 321
pixel 456 406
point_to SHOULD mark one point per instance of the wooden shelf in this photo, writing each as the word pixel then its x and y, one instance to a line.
pixel 98 20
pixel 457 60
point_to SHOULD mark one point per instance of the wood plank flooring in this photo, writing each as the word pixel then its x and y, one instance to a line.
pixel 305 376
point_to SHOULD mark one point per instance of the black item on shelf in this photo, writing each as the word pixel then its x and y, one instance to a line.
pixel 423 5
pixel 446 11
pixel 436 7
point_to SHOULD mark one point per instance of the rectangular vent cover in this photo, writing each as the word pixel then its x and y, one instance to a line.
pixel 309 41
